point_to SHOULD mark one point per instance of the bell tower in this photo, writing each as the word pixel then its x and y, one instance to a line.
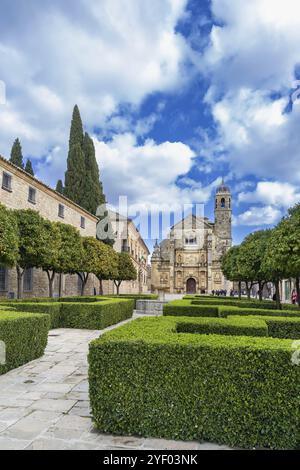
pixel 223 213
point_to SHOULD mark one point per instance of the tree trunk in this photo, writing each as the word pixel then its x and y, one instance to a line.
pixel 260 290
pixel 278 301
pixel 248 290
pixel 118 284
pixel 240 290
pixel 60 286
pixel 20 273
pixel 100 286
pixel 51 278
pixel 298 290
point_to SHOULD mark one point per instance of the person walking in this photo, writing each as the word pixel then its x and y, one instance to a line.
pixel 294 297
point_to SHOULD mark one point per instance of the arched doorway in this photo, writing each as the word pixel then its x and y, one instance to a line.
pixel 191 286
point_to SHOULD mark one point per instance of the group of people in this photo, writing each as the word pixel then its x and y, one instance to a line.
pixel 220 293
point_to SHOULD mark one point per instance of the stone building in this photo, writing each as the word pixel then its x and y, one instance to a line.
pixel 188 261
pixel 19 190
pixel 129 240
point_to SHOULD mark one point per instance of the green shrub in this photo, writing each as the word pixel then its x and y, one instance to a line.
pixel 25 337
pixel 135 297
pixel 95 316
pixel 51 309
pixel 279 327
pixel 227 311
pixel 185 308
pixel 147 380
pixel 236 326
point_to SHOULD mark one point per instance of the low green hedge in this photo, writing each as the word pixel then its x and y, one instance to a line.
pixel 235 326
pixel 185 308
pixel 148 380
pixel 135 297
pixel 25 337
pixel 279 327
pixel 235 302
pixel 87 315
pixel 227 311
pixel 52 309
pixel 95 316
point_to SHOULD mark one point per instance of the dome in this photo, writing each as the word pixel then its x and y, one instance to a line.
pixel 223 188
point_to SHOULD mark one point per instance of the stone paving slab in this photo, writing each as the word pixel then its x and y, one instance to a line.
pixel 44 405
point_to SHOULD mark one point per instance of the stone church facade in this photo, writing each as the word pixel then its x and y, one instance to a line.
pixel 189 260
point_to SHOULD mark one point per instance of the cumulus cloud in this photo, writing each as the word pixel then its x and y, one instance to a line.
pixel 147 174
pixel 258 216
pixel 277 194
pixel 251 63
pixel 98 54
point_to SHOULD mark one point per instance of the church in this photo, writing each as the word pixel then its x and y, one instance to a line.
pixel 189 260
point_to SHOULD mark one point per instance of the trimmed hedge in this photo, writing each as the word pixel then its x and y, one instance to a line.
pixel 95 316
pixel 235 302
pixel 51 309
pixel 25 337
pixel 279 327
pixel 88 315
pixel 236 326
pixel 228 311
pixel 186 309
pixel 147 380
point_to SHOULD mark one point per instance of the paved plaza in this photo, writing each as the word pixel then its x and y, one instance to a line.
pixel 44 405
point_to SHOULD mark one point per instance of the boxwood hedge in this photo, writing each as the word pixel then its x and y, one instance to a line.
pixel 25 337
pixel 235 326
pixel 95 316
pixel 146 379
pixel 85 315
pixel 186 308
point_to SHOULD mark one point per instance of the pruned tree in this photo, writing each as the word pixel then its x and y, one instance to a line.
pixel 89 263
pixel 107 264
pixel 50 262
pixel 126 270
pixel 230 268
pixel 9 240
pixel 33 239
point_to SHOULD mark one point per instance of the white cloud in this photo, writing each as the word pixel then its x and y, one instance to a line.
pixel 98 54
pixel 277 194
pixel 147 174
pixel 251 63
pixel 258 216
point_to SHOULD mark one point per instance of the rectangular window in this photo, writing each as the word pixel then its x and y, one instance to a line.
pixel 61 211
pixel 3 279
pixel 6 181
pixel 82 222
pixel 28 280
pixel 32 195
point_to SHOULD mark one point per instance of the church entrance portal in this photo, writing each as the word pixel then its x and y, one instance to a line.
pixel 191 286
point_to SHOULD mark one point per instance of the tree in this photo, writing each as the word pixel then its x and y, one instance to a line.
pixel 60 187
pixel 287 250
pixel 250 260
pixel 9 241
pixel 126 270
pixel 33 240
pixel 273 264
pixel 28 168
pixel 50 256
pixel 75 174
pixel 230 268
pixel 89 263
pixel 92 191
pixel 16 156
pixel 107 264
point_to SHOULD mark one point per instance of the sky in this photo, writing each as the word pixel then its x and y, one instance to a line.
pixel 177 94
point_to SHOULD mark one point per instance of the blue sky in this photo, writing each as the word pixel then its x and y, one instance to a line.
pixel 176 94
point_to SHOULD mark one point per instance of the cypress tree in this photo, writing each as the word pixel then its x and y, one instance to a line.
pixel 60 187
pixel 16 156
pixel 75 173
pixel 28 168
pixel 93 193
